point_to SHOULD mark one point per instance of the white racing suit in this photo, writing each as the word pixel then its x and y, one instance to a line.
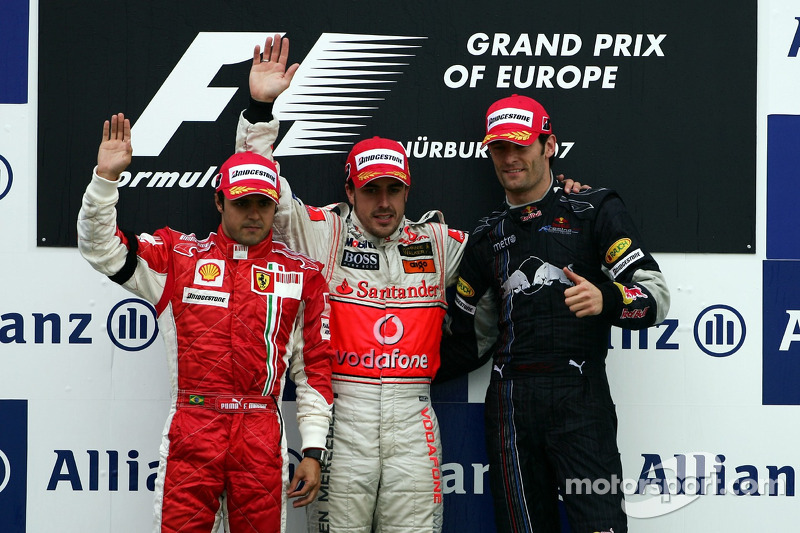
pixel 387 305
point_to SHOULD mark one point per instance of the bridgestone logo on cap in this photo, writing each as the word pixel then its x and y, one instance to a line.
pixel 253 172
pixel 509 115
pixel 380 156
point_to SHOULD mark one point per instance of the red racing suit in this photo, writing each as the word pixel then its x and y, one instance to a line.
pixel 387 306
pixel 234 320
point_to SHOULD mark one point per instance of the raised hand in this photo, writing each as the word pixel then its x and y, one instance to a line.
pixel 269 76
pixel 114 154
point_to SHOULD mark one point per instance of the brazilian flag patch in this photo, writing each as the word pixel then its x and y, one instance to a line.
pixel 195 399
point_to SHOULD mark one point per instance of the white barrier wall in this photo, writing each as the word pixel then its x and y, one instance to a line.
pixel 707 397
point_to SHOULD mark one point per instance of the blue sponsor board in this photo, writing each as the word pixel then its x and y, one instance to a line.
pixel 783 160
pixel 781 341
pixel 14 15
pixel 13 465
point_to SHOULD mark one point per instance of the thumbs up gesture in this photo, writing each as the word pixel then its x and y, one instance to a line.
pixel 583 299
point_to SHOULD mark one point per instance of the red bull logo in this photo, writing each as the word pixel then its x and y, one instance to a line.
pixel 629 294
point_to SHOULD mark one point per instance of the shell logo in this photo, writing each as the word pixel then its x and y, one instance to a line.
pixel 209 272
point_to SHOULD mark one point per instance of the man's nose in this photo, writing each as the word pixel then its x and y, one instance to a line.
pixel 383 198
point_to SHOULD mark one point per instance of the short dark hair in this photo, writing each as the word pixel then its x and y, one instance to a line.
pixel 542 138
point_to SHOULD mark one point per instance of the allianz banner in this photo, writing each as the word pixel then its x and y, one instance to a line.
pixel 657 100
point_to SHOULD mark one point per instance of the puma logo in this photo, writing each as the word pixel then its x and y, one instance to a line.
pixel 576 365
pixel 499 369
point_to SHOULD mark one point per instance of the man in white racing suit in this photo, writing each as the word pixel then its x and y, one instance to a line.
pixel 387 277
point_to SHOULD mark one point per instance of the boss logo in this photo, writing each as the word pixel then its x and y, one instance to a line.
pixel 360 260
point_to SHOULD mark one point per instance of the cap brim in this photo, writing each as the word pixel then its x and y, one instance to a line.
pixel 269 193
pixel 367 177
pixel 522 138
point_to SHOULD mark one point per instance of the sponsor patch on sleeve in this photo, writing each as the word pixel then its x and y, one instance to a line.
pixel 464 288
pixel 627 261
pixel 456 234
pixel 464 306
pixel 617 250
pixel 315 213
pixel 629 294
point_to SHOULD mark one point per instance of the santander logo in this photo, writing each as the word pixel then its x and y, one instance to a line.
pixel 344 288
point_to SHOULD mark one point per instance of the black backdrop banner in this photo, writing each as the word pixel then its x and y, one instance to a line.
pixel 656 100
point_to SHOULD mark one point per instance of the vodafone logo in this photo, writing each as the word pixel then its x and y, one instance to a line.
pixel 388 330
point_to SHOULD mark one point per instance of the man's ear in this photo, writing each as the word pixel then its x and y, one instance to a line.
pixel 550 146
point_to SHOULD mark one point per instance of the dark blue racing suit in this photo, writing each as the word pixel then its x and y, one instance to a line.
pixel 550 420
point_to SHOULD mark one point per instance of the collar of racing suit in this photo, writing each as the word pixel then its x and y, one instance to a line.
pixel 233 250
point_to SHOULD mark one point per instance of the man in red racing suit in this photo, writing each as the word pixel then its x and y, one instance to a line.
pixel 236 311
pixel 387 277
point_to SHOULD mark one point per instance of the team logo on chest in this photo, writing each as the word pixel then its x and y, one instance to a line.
pixel 262 281
pixel 272 280
pixel 529 213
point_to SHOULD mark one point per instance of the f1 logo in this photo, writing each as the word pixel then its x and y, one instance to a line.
pixel 185 95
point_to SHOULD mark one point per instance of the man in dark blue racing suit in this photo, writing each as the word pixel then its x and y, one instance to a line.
pixel 551 273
